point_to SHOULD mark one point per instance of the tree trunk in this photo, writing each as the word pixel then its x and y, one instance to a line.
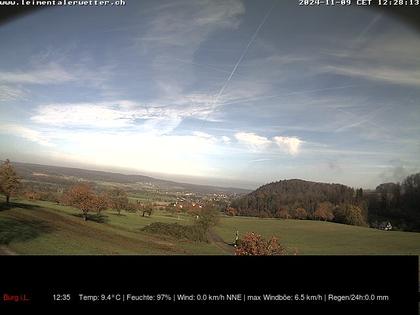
pixel 7 198
pixel 84 216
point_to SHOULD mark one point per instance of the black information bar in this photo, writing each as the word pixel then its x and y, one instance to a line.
pixel 382 284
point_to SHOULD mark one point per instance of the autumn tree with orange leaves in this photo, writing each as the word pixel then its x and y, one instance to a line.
pixel 83 197
pixel 253 244
pixel 324 211
pixel 99 203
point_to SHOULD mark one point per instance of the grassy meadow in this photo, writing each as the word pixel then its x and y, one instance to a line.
pixel 40 227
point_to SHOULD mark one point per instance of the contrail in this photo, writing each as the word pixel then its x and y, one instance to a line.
pixel 243 54
pixel 289 94
pixel 368 27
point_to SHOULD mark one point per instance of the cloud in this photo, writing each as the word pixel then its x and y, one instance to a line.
pixel 260 160
pixel 290 144
pixel 390 57
pixel 171 154
pixel 225 139
pixel 253 141
pixel 46 74
pixel 257 143
pixel 161 116
pixel 26 133
pixel 175 32
pixel 189 23
pixel 388 74
pixel 104 114
pixel 205 136
pixel 397 170
pixel 8 93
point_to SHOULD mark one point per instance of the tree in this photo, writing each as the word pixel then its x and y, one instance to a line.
pixel 354 215
pixel 293 194
pixel 81 197
pixel 349 214
pixel 9 181
pixel 118 199
pixel 300 214
pixel 283 213
pixel 324 211
pixel 359 194
pixel 254 244
pixel 99 203
pixel 147 209
pixel 209 217
pixel 32 195
pixel 231 211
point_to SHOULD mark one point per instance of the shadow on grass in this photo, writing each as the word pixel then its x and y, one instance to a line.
pixel 21 230
pixel 10 205
pixel 93 217
pixel 117 214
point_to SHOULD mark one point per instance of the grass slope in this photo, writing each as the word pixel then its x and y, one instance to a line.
pixel 28 227
pixel 46 228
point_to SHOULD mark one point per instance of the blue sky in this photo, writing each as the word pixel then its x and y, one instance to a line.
pixel 222 92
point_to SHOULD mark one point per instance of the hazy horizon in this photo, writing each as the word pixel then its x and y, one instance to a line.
pixel 196 180
pixel 223 93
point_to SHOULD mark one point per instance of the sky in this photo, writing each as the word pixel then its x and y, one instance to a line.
pixel 233 93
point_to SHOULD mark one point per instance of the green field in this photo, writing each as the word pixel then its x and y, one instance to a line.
pixel 37 227
pixel 325 238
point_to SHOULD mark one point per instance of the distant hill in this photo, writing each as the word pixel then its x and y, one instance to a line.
pixel 67 176
pixel 268 199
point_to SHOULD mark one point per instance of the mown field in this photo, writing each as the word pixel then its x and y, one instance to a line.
pixel 324 238
pixel 37 227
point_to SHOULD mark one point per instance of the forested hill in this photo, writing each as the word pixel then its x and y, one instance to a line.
pixel 268 200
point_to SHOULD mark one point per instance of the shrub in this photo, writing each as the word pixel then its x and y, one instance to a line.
pixel 196 232
pixel 231 211
pixel 189 232
pixel 300 214
pixel 254 244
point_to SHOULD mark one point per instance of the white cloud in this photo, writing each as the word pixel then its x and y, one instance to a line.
pixel 188 24
pixel 290 144
pixel 46 74
pixel 389 74
pixel 225 140
pixel 252 141
pixel 258 143
pixel 390 57
pixel 84 114
pixel 205 136
pixel 26 133
pixel 161 116
pixel 8 93
pixel 169 154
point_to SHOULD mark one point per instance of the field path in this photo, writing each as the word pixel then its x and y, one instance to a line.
pixel 215 239
pixel 4 250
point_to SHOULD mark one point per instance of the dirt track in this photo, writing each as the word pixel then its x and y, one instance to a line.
pixel 4 250
pixel 219 242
